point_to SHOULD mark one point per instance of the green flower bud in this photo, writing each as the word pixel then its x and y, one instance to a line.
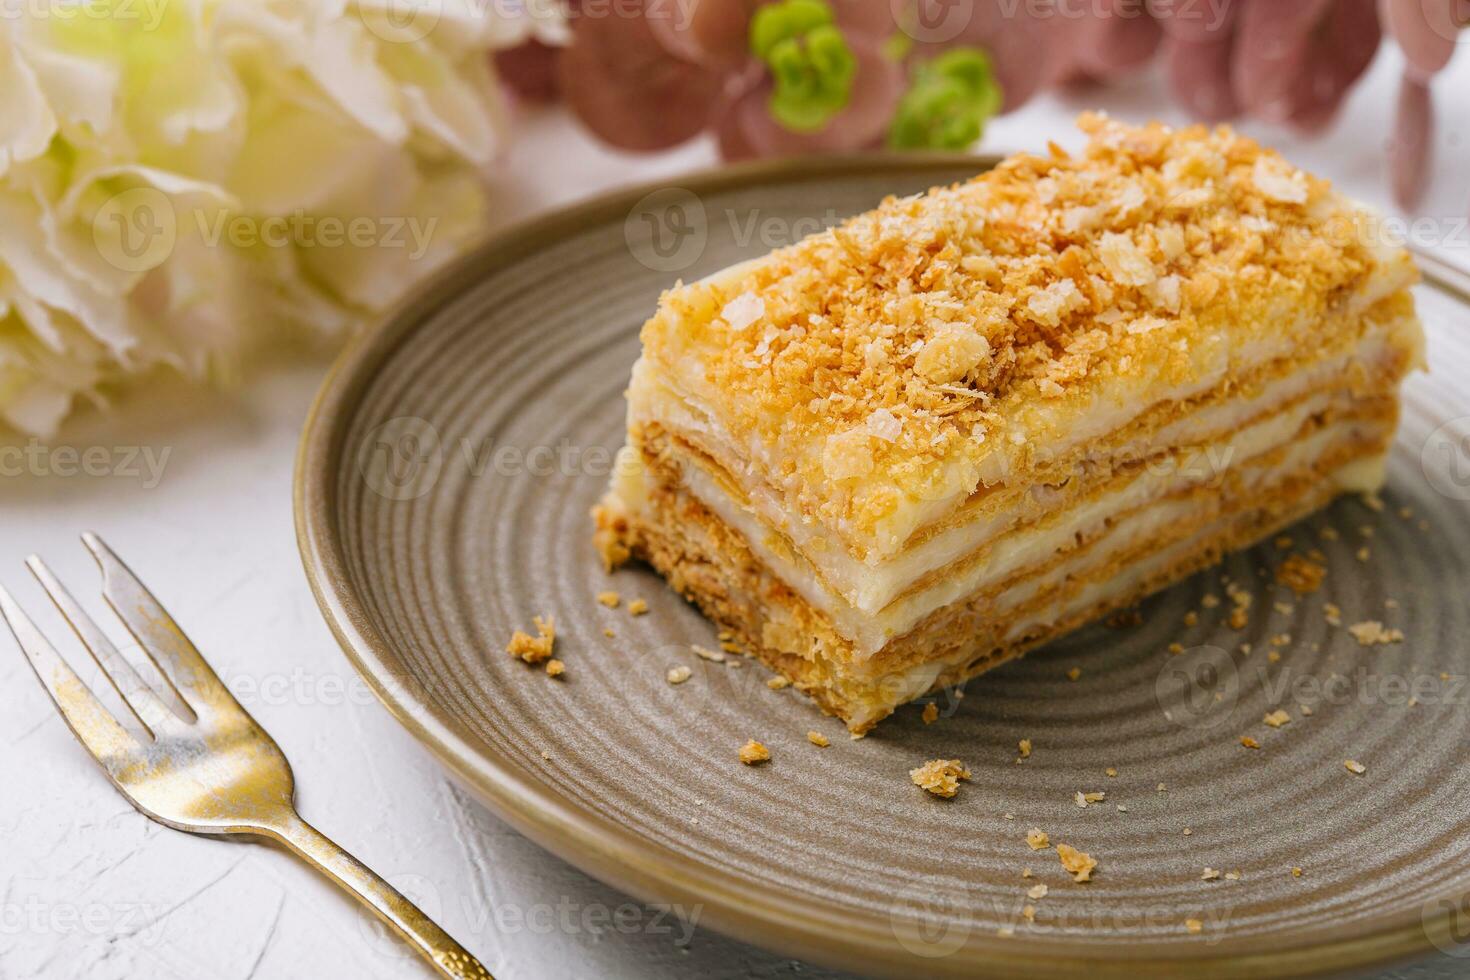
pixel 810 62
pixel 947 104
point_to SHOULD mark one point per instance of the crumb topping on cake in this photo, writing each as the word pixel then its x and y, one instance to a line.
pixel 883 359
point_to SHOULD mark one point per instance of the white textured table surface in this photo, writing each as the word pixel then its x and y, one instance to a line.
pixel 198 499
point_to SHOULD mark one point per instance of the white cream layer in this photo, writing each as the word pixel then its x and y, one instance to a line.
pixel 870 630
pixel 870 586
pixel 916 680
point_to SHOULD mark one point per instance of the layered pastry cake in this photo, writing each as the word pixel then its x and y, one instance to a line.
pixel 910 448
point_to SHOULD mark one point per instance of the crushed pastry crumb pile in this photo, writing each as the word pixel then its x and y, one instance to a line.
pixel 753 752
pixel 1300 575
pixel 1077 863
pixel 1373 633
pixel 940 776
pixel 534 649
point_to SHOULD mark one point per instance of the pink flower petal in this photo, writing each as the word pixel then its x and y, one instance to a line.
pixel 713 33
pixel 1118 39
pixel 1339 53
pixel 1425 29
pixel 1024 47
pixel 749 130
pixel 626 87
pixel 529 70
pixel 1410 152
pixel 1271 51
pixel 1199 74
pixel 1195 21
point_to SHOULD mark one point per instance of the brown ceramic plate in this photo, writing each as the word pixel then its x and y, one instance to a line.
pixel 443 490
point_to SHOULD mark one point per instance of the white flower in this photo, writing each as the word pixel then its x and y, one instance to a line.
pixel 181 180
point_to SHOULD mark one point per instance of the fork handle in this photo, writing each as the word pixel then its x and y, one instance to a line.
pixel 446 956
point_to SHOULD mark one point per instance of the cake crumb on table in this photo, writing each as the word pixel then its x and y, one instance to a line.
pixel 753 752
pixel 1077 863
pixel 1249 742
pixel 1074 673
pixel 1194 926
pixel 637 607
pixel 1371 632
pixel 1300 575
pixel 555 668
pixel 931 713
pixel 1024 745
pixel 678 675
pixel 1083 799
pixel 1277 718
pixel 1037 839
pixel 534 649
pixel 777 683
pixel 1209 874
pixel 1355 767
pixel 714 656
pixel 940 776
pixel 610 599
pixel 1037 892
pixel 817 739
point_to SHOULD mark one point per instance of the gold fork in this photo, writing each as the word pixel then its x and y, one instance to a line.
pixel 205 766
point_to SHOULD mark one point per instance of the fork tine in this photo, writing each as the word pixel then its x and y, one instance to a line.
pixel 152 626
pixel 141 699
pixel 92 724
